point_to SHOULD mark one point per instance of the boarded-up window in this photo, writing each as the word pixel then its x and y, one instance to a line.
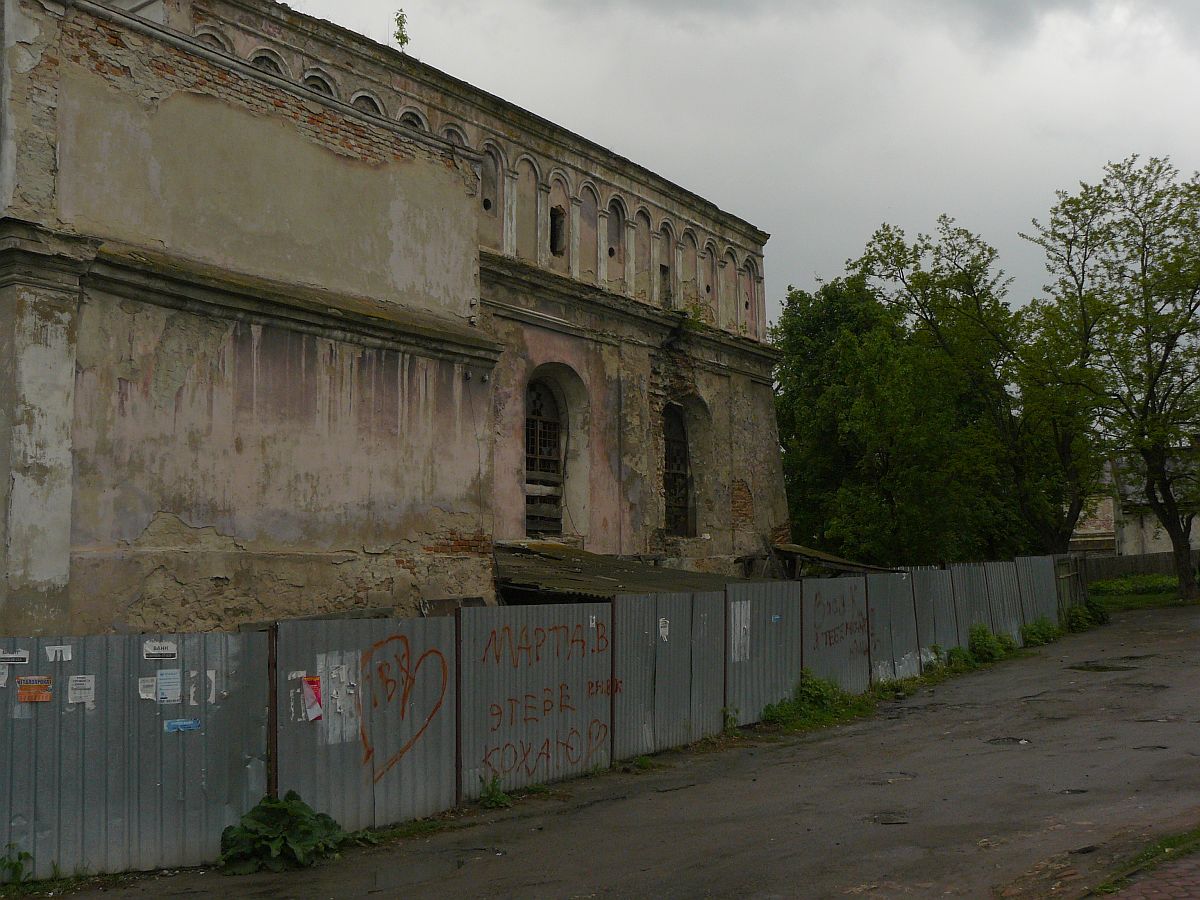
pixel 544 437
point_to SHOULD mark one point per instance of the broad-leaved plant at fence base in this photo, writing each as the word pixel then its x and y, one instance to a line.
pixel 281 834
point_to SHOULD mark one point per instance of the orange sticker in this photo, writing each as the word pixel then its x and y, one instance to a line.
pixel 35 688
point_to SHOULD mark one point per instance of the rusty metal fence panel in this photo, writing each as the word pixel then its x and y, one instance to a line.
pixel 836 634
pixel 970 598
pixel 135 754
pixel 1004 599
pixel 536 693
pixel 366 712
pixel 763 647
pixel 937 618
pixel 1039 594
pixel 894 649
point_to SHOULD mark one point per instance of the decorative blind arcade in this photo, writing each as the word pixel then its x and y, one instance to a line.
pixel 543 461
pixel 676 474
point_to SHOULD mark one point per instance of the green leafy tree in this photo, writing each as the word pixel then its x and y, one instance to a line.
pixel 1036 442
pixel 879 462
pixel 1125 256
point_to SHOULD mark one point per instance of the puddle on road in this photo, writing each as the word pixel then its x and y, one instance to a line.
pixel 889 818
pixel 1100 667
pixel 1142 685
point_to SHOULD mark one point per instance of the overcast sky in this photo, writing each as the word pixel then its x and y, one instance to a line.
pixel 817 120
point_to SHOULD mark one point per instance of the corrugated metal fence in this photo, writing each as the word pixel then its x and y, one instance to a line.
pixel 366 713
pixel 129 752
pixel 134 752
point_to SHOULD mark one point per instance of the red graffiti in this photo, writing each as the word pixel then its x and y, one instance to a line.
pixel 610 687
pixel 528 648
pixel 530 708
pixel 567 749
pixel 389 674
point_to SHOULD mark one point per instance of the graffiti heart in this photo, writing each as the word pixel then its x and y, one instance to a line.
pixel 398 689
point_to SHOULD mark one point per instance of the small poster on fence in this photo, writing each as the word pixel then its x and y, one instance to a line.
pixel 35 688
pixel 312 697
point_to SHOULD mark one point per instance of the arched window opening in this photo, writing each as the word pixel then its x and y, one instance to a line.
pixel 677 476
pixel 367 104
pixel 641 255
pixel 266 63
pixel 210 40
pixel 588 219
pixel 545 436
pixel 666 268
pixel 318 84
pixel 454 136
pixel 527 211
pixel 616 246
pixel 491 200
pixel 412 120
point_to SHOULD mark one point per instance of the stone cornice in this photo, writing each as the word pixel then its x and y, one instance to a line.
pixel 183 284
pixel 671 327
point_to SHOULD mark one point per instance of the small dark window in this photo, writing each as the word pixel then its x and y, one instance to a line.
pixel 487 203
pixel 266 64
pixel 558 231
pixel 708 289
pixel 664 283
pixel 677 476
pixel 318 84
pixel 612 251
pixel 367 105
pixel 544 435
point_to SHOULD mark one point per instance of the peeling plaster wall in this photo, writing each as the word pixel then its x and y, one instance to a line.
pixel 168 468
pixel 229 472
pixel 250 193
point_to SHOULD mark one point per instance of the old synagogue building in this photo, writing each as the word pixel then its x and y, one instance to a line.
pixel 292 323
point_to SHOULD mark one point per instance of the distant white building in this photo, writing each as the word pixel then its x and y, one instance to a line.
pixel 1120 521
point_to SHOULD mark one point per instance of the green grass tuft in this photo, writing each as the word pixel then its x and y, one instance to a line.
pixel 816 703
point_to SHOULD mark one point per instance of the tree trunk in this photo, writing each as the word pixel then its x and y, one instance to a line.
pixel 1188 588
pixel 1161 496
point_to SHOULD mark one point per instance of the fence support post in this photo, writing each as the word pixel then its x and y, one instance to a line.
pixel 273 710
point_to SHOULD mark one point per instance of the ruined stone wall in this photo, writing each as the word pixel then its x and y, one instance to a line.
pixel 250 387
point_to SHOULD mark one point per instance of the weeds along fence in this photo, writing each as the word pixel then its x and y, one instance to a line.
pixel 134 752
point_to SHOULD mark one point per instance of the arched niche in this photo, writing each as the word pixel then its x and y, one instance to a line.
pixel 569 486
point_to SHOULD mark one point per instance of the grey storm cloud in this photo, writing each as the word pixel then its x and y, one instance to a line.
pixel 993 21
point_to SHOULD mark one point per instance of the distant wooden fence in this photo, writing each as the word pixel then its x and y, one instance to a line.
pixel 1102 568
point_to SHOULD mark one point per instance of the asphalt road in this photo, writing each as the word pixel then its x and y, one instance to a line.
pixel 1029 779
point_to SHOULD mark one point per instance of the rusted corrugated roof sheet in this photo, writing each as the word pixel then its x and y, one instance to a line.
pixel 827 559
pixel 557 569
